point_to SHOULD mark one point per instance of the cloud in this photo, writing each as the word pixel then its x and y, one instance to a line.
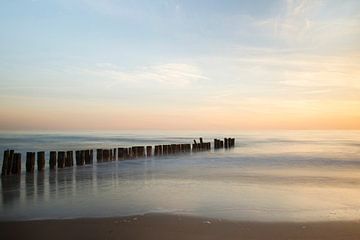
pixel 166 75
pixel 305 23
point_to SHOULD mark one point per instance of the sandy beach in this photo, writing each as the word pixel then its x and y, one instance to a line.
pixel 161 226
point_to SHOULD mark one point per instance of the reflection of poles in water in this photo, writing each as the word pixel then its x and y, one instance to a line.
pixel 29 186
pixel 69 182
pixel 65 183
pixel 40 185
pixel 10 190
pixel 52 183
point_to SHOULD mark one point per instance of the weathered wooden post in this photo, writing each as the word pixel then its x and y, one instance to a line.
pixel 148 151
pixel 141 151
pixel 77 157
pixel 121 153
pixel 69 159
pixel 158 150
pixel 111 154
pixel 194 147
pixel 188 148
pixel 87 156
pixel 172 148
pixel 164 150
pixel 6 164
pixel 10 162
pixel 216 143
pixel 232 142
pixel 53 160
pixel 106 155
pixel 114 154
pixel 61 159
pixel 127 153
pixel 30 162
pixel 91 156
pixel 41 161
pixel 99 155
pixel 16 168
pixel 82 157
pixel 226 141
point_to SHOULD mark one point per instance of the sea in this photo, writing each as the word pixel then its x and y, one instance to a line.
pixel 269 176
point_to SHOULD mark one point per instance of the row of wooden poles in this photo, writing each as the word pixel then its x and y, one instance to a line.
pixel 61 159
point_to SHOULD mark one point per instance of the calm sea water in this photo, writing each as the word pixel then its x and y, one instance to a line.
pixel 268 176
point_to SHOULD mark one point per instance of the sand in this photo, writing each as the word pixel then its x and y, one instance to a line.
pixel 161 226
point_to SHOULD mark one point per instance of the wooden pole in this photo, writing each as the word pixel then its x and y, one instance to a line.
pixel 5 166
pixel 158 150
pixel 148 151
pixel 127 153
pixel 10 161
pixel 87 156
pixel 61 159
pixel 106 155
pixel 121 153
pixel 114 154
pixel 30 162
pixel 91 156
pixel 142 151
pixel 69 159
pixel 41 161
pixel 82 157
pixel 16 168
pixel 110 154
pixel 52 161
pixel 233 142
pixel 77 157
pixel 99 155
pixel 188 148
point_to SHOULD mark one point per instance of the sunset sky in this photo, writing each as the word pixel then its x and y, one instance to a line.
pixel 106 64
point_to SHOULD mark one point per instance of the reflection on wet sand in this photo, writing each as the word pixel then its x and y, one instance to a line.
pixel 40 186
pixel 29 187
pixel 10 186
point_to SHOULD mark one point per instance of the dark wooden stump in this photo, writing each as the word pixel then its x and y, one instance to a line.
pixel 53 160
pixel 41 161
pixel 82 158
pixel 69 159
pixel 30 162
pixel 158 150
pixel 61 159
pixel 99 155
pixel 16 168
pixel 91 156
pixel 148 151
pixel 121 153
pixel 114 154
pixel 6 163
pixel 87 157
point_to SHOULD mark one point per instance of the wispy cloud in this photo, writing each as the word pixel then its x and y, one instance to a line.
pixel 166 75
pixel 302 22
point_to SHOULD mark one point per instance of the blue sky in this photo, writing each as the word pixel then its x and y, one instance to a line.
pixel 147 64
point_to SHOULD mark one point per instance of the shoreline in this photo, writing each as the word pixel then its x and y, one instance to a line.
pixel 166 226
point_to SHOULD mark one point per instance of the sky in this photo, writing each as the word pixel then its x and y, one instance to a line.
pixel 179 65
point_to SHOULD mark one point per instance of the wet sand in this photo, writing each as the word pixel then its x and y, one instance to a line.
pixel 161 226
